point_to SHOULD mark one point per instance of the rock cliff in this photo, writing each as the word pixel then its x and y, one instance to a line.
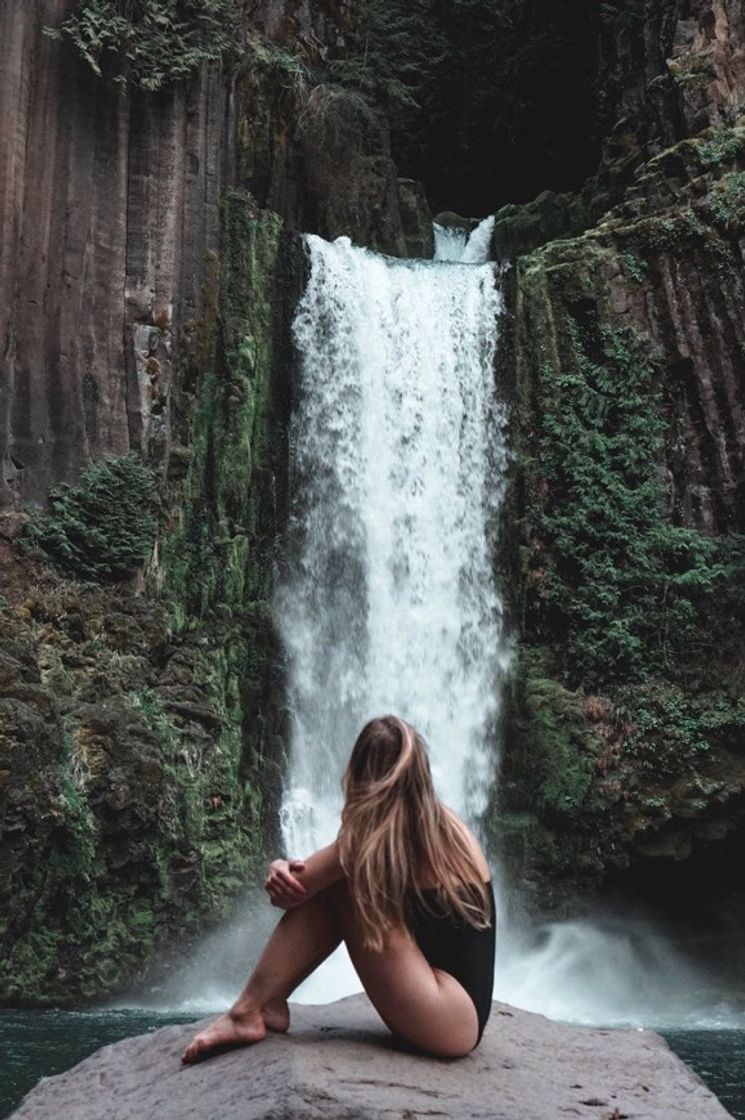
pixel 625 715
pixel 149 260
pixel 148 263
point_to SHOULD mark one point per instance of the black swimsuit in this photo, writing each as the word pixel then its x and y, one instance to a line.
pixel 457 947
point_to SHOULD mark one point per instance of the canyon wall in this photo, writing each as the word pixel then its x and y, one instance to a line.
pixel 148 266
pixel 625 718
pixel 149 261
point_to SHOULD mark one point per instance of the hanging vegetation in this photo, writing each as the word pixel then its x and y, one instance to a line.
pixel 150 43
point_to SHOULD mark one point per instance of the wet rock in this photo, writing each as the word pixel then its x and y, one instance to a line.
pixel 518 229
pixel 416 219
pixel 339 1061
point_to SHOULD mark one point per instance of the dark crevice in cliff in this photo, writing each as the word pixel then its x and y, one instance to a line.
pixel 684 373
pixel 507 102
pixel 697 902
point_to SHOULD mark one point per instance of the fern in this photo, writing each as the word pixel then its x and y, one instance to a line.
pixel 152 43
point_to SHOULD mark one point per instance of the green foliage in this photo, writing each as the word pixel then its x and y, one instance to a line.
pixel 103 528
pixel 550 729
pixel 674 233
pixel 636 267
pixel 725 203
pixel 154 42
pixel 552 821
pixel 673 728
pixel 726 144
pixel 393 61
pixel 620 585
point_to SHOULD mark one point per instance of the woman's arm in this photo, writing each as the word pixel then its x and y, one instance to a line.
pixel 289 883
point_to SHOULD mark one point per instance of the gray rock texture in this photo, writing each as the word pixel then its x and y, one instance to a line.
pixel 339 1061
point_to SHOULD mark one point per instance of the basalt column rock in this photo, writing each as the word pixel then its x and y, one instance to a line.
pixel 668 70
pixel 108 203
pixel 625 714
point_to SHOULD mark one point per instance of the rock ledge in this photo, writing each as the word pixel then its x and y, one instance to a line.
pixel 339 1062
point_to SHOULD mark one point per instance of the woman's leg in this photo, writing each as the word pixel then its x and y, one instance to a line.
pixel 301 940
pixel 422 1005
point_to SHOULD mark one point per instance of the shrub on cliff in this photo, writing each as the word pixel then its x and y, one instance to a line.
pixel 103 528
pixel 154 42
pixel 622 587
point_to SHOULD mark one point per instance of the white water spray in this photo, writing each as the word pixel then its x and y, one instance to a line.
pixel 400 462
pixel 453 243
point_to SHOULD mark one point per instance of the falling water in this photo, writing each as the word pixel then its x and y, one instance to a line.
pixel 399 469
pixel 450 242
pixel 399 462
pixel 453 243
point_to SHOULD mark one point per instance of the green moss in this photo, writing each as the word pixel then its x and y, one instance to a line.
pixel 551 747
pixel 209 817
pixel 212 556
pixel 614 581
pixel 518 229
pixel 102 528
pixel 551 821
pixel 725 204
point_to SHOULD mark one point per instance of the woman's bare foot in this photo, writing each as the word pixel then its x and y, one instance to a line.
pixel 276 1015
pixel 229 1030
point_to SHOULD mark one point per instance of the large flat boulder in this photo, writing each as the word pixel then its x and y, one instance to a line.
pixel 339 1062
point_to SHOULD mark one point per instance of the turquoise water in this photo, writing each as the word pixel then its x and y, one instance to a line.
pixel 36 1044
pixel 718 1057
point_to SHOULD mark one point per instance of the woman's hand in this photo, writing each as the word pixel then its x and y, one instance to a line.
pixel 284 890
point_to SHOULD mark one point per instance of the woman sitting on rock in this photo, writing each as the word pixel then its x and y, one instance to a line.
pixel 408 889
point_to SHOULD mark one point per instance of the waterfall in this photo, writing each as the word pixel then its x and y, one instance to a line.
pixel 389 604
pixel 450 242
pixel 453 243
pixel 399 462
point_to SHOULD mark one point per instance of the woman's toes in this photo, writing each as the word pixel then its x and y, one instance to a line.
pixel 226 1032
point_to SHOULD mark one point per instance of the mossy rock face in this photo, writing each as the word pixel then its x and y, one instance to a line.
pixel 140 761
pixel 122 825
pixel 520 228
pixel 594 782
pixel 626 528
pixel 550 823
pixel 319 154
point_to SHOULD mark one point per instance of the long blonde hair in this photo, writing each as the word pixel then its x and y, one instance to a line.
pixel 394 829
